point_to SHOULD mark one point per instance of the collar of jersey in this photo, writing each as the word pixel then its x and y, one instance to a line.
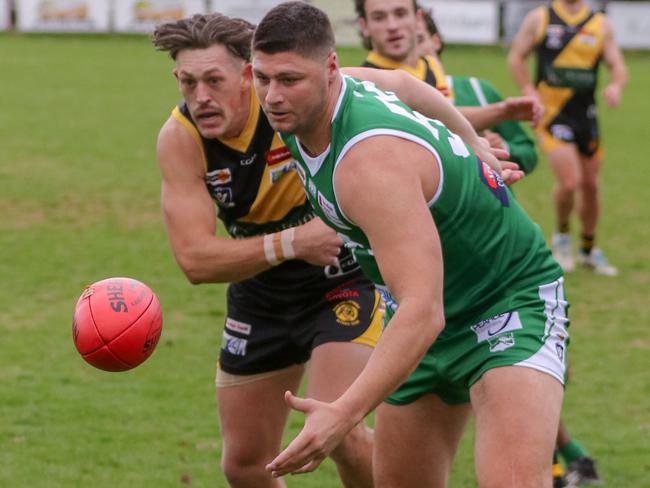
pixel 314 163
pixel 242 141
pixel 569 18
pixel 377 59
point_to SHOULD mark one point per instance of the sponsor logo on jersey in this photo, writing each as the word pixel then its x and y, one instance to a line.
pixel 219 177
pixel 248 161
pixel 494 182
pixel 278 155
pixel 223 194
pixel 554 34
pixel 502 342
pixel 344 290
pixel 488 329
pixel 237 326
pixel 585 36
pixel 347 312
pixel 330 211
pixel 562 132
pixel 278 172
pixel 234 345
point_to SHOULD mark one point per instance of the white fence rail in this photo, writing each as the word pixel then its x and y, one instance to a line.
pixel 460 21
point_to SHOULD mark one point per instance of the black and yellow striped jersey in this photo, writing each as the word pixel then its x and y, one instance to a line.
pixel 250 177
pixel 569 48
pixel 428 69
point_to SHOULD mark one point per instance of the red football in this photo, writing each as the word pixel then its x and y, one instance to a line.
pixel 117 323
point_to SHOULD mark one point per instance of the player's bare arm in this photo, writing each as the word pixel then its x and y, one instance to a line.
pixel 525 108
pixel 464 121
pixel 613 58
pixel 522 45
pixel 190 219
pixel 407 249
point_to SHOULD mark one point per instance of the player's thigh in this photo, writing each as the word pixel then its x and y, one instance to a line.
pixel 333 367
pixel 564 160
pixel 253 413
pixel 415 443
pixel 517 415
pixel 341 334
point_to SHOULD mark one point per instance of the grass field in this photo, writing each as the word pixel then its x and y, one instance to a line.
pixel 79 201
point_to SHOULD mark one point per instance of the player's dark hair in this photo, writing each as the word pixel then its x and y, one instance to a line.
pixel 432 28
pixel 295 26
pixel 203 31
pixel 360 8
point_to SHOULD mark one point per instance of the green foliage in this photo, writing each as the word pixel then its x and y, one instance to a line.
pixel 80 202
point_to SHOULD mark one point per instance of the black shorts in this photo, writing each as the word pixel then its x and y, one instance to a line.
pixel 576 123
pixel 274 322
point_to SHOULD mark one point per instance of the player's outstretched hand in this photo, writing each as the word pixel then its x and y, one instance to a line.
pixel 325 427
pixel 511 173
pixel 523 108
pixel 317 243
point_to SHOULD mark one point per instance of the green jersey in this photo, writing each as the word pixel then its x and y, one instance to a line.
pixel 474 92
pixel 490 247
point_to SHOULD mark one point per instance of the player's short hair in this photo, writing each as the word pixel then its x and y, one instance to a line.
pixel 295 26
pixel 203 31
pixel 360 8
pixel 432 28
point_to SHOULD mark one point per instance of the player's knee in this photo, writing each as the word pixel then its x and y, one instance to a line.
pixel 569 184
pixel 354 445
pixel 241 470
pixel 590 185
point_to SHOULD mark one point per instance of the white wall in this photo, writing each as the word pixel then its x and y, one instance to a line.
pixel 62 15
pixel 631 22
pixel 4 15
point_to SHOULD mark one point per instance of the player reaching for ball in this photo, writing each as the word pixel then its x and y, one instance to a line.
pixel 292 297
pixel 476 300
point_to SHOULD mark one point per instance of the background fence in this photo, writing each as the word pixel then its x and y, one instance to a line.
pixel 460 21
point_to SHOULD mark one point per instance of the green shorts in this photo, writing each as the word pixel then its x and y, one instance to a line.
pixel 531 332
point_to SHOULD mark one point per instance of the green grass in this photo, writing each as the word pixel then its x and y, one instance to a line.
pixel 79 201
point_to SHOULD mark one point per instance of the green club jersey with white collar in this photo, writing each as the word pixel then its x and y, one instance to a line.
pixel 490 246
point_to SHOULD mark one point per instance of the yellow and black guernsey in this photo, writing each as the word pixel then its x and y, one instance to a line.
pixel 250 177
pixel 569 49
pixel 428 69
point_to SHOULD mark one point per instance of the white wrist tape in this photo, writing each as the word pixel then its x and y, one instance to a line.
pixel 286 240
pixel 269 250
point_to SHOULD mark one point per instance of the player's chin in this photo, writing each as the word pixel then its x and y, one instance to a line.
pixel 282 124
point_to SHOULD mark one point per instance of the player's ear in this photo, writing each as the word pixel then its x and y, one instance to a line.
pixel 363 27
pixel 332 65
pixel 175 73
pixel 247 73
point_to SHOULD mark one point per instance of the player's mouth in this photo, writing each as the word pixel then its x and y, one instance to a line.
pixel 277 116
pixel 208 117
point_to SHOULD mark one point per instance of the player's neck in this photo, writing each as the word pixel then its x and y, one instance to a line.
pixel 571 8
pixel 315 138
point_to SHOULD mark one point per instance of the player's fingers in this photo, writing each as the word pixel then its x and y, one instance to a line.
pixel 298 453
pixel 297 403
pixel 310 466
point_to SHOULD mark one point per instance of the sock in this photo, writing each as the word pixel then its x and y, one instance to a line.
pixel 572 451
pixel 563 228
pixel 587 243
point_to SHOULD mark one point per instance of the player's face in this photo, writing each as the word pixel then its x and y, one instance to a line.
pixel 216 88
pixel 392 27
pixel 292 89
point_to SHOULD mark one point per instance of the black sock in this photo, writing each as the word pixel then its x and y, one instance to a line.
pixel 587 243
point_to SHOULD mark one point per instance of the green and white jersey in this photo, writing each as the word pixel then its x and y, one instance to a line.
pixel 490 247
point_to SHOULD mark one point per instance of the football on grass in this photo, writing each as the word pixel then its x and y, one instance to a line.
pixel 117 323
